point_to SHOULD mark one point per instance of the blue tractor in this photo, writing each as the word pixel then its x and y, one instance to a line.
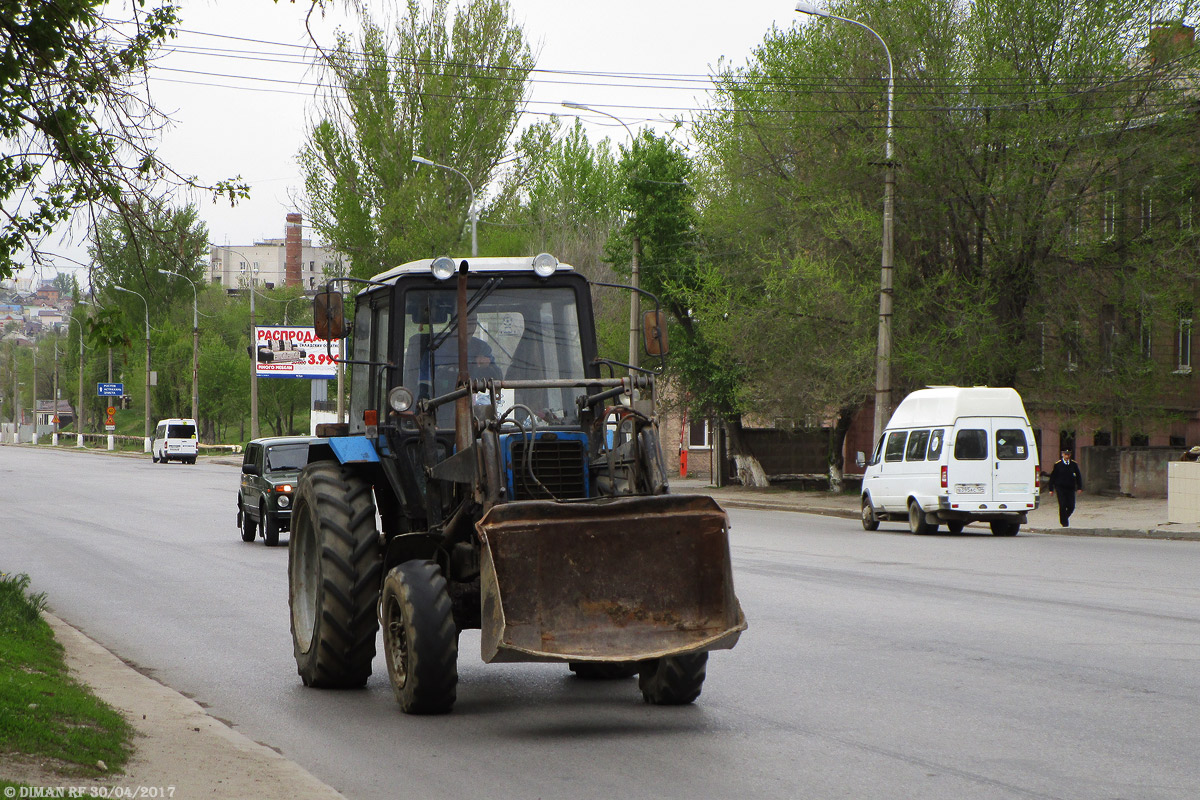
pixel 496 473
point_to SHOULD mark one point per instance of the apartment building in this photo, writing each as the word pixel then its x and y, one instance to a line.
pixel 290 261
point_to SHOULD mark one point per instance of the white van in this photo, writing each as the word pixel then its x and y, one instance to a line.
pixel 174 439
pixel 952 456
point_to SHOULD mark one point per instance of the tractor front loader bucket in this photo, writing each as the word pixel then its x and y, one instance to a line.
pixel 625 579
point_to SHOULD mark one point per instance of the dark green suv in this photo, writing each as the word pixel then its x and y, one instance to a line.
pixel 270 469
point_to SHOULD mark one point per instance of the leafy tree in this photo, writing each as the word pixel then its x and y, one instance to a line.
pixel 1017 123
pixel 76 125
pixel 662 223
pixel 562 196
pixel 450 90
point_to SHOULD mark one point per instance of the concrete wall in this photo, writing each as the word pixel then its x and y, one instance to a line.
pixel 1144 470
pixel 1130 471
pixel 1183 492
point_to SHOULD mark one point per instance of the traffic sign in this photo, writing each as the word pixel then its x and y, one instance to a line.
pixel 111 411
pixel 110 389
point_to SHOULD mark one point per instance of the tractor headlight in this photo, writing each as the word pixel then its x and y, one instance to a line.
pixel 400 399
pixel 443 267
pixel 544 265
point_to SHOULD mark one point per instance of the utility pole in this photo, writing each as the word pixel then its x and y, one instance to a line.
pixel 35 391
pixel 253 368
pixel 79 406
pixel 54 400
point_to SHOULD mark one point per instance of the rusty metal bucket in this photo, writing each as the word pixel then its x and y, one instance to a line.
pixel 610 580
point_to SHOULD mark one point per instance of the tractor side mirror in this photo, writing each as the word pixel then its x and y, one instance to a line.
pixel 654 333
pixel 329 317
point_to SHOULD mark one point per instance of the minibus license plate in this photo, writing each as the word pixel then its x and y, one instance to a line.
pixel 968 488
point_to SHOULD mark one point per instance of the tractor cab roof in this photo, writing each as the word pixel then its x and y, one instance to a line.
pixel 424 266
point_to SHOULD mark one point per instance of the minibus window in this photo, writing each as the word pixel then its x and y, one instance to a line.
pixel 970 445
pixel 878 450
pixel 895 446
pixel 1010 444
pixel 917 442
pixel 935 444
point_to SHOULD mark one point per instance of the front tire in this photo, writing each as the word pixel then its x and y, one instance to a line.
pixel 334 561
pixel 270 526
pixel 673 680
pixel 870 522
pixel 420 641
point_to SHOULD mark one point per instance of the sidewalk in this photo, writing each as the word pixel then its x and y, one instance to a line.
pixel 1095 515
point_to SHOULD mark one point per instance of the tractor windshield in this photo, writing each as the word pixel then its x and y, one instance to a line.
pixel 516 334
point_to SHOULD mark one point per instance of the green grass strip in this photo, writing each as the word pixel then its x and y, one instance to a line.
pixel 44 713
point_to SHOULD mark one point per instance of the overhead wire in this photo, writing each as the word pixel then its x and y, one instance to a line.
pixel 718 84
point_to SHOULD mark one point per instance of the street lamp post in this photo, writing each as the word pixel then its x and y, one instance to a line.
pixel 147 426
pixel 473 214
pixel 883 356
pixel 195 344
pixel 634 299
pixel 79 402
pixel 249 270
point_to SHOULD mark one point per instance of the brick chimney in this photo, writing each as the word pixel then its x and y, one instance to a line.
pixel 292 250
pixel 1169 40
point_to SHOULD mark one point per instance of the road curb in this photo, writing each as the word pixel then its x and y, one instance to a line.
pixel 179 747
pixel 1114 533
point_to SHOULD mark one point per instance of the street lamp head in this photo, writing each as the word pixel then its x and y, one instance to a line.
pixel 576 106
pixel 425 161
pixel 809 8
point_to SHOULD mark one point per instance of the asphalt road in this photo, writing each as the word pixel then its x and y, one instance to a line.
pixel 879 665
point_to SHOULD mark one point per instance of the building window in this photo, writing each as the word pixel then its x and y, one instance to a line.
pixel 1071 345
pixel 1110 214
pixel 1145 335
pixel 1183 341
pixel 1108 335
pixel 699 435
pixel 1041 347
pixel 1176 441
pixel 1139 440
pixel 1102 439
pixel 1066 441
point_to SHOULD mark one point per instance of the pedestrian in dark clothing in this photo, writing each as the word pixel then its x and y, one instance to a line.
pixel 1066 481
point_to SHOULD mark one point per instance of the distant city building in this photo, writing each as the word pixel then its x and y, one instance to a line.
pixel 290 261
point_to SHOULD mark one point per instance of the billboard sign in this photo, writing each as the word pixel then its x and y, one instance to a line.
pixel 294 352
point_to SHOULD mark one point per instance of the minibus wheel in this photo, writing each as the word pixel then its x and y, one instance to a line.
pixel 916 519
pixel 870 522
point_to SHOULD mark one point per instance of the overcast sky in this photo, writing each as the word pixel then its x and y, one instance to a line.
pixel 239 85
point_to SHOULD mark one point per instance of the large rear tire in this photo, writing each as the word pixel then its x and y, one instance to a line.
pixel 334 561
pixel 420 641
pixel 673 680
